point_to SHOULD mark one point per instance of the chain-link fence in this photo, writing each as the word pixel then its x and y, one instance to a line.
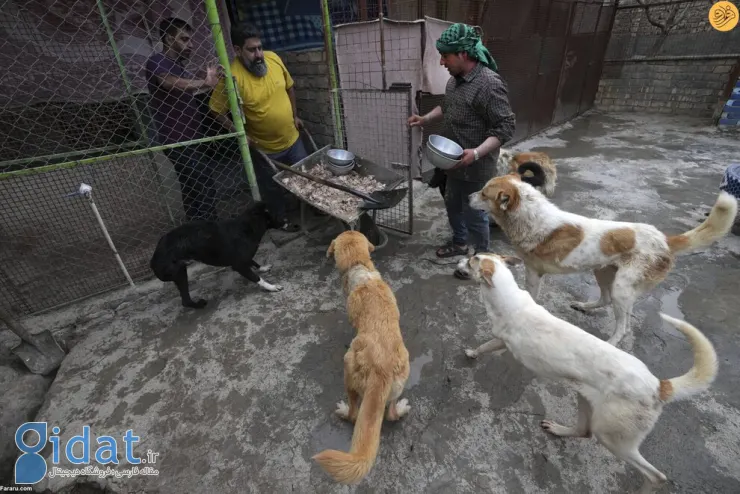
pixel 373 123
pixel 94 93
pixel 85 98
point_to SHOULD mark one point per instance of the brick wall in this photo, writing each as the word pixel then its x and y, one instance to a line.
pixel 685 70
pixel 310 72
pixel 693 87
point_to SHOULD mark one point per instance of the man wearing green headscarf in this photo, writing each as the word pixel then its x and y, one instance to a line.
pixel 477 115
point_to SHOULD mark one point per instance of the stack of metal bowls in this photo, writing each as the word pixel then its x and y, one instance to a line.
pixel 341 162
pixel 442 152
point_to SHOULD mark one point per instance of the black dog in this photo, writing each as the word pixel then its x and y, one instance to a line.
pixel 231 242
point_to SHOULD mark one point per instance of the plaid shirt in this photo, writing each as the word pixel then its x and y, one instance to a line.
pixel 476 107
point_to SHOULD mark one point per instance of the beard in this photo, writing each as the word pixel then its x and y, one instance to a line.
pixel 257 67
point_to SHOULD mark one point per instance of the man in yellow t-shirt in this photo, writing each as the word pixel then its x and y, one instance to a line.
pixel 265 90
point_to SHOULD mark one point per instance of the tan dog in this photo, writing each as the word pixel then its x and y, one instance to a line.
pixel 376 366
pixel 510 161
pixel 627 258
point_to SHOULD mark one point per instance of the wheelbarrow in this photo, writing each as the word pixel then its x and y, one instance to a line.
pixel 360 219
pixel 39 352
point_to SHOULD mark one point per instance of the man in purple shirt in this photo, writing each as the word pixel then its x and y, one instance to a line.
pixel 178 116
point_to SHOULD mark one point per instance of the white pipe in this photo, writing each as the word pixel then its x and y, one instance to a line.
pixel 86 191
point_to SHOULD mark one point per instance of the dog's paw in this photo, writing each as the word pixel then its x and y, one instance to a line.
pixel 584 307
pixel 471 353
pixel 403 407
pixel 269 286
pixel 196 304
pixel 555 429
pixel 265 269
pixel 342 410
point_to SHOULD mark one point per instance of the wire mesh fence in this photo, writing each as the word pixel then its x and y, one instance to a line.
pixel 95 95
pixel 87 98
pixel 373 123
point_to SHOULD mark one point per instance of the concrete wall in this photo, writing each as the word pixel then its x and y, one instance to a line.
pixel 685 70
pixel 310 72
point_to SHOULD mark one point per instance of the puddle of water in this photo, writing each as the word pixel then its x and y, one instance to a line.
pixel 415 369
pixel 669 305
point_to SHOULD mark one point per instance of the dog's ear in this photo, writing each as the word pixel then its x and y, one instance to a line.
pixel 487 268
pixel 330 250
pixel 503 200
pixel 511 260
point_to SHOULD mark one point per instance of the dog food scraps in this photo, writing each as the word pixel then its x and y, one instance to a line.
pixel 339 203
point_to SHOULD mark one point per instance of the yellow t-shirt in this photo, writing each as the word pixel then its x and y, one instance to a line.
pixel 265 104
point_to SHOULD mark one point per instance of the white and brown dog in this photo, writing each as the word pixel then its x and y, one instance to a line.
pixel 627 259
pixel 376 366
pixel 619 399
pixel 543 177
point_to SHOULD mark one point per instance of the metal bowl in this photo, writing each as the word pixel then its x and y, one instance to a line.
pixel 438 160
pixel 340 157
pixel 445 147
pixel 340 170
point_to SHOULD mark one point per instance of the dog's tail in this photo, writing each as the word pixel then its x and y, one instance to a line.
pixel 538 173
pixel 350 468
pixel 701 375
pixel 716 226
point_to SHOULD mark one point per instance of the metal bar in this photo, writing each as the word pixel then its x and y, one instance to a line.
pixel 595 33
pixel 109 240
pixel 223 57
pixel 382 50
pixel 536 84
pixel 48 157
pixel 108 157
pixel 658 4
pixel 672 57
pixel 563 58
pixel 333 82
pixel 411 156
pixel 121 67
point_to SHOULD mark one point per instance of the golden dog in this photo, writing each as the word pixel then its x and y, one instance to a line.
pixel 376 366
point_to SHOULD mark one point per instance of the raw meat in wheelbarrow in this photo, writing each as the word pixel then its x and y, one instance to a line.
pixel 337 202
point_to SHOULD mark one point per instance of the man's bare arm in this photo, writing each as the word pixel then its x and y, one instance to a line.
pixel 169 81
pixel 433 116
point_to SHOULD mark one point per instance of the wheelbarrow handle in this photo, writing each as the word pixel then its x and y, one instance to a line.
pixel 310 138
pixel 326 182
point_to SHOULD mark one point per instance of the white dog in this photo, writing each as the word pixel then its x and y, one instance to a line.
pixel 626 258
pixel 619 399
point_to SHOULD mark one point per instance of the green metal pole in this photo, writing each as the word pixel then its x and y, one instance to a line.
pixel 122 68
pixel 223 57
pixel 134 102
pixel 334 85
pixel 107 157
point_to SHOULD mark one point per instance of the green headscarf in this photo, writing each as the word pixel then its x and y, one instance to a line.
pixel 463 38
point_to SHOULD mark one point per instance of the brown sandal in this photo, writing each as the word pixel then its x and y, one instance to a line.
pixel 451 250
